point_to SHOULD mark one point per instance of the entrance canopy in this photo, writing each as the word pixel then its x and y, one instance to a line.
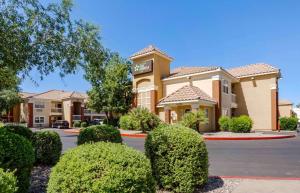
pixel 186 95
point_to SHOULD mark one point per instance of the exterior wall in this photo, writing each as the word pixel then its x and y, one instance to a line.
pixel 43 112
pixel 285 110
pixel 254 100
pixel 67 114
pixel 226 98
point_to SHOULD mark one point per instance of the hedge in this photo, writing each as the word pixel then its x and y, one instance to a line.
pixel 179 158
pixel 224 123
pixel 288 123
pixel 20 130
pixel 98 133
pixel 102 167
pixel 16 153
pixel 48 146
pixel 139 119
pixel 242 124
pixel 8 182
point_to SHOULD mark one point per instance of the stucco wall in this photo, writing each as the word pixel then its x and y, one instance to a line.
pixel 44 112
pixel 285 110
pixel 254 99
pixel 226 98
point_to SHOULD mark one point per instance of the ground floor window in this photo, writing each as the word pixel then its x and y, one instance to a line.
pixel 144 99
pixel 39 120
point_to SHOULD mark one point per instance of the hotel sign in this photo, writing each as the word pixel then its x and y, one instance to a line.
pixel 142 67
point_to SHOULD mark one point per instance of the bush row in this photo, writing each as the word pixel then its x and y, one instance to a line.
pixel 288 123
pixel 139 119
pixel 241 124
pixel 20 148
pixel 82 124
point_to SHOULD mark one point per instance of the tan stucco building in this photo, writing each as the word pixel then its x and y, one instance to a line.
pixel 285 108
pixel 42 109
pixel 247 90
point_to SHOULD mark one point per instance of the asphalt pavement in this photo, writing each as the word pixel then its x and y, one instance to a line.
pixel 268 158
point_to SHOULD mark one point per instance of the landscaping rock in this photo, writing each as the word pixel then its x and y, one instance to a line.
pixel 39 179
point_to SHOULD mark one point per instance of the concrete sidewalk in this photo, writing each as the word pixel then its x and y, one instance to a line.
pixel 267 186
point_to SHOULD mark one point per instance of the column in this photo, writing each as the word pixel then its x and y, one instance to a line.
pixel 153 94
pixel 217 96
pixel 274 108
pixel 167 114
pixel 30 114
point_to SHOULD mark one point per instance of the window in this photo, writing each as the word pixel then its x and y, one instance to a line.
pixel 225 112
pixel 144 99
pixel 187 110
pixel 39 105
pixel 225 86
pixel 206 112
pixel 39 119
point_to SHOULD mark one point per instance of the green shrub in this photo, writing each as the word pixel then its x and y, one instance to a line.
pixel 8 182
pixel 83 124
pixel 193 119
pixel 16 153
pixel 76 124
pixel 1 124
pixel 288 123
pixel 140 119
pixel 224 123
pixel 128 123
pixel 98 133
pixel 102 167
pixel 48 146
pixel 179 158
pixel 242 124
pixel 20 130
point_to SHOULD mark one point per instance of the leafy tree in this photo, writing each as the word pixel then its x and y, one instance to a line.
pixel 35 35
pixel 298 105
pixel 111 86
pixel 8 99
pixel 194 119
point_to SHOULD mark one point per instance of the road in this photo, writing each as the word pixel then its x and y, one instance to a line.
pixel 271 158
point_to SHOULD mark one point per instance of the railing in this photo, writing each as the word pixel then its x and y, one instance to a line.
pixel 56 110
pixel 90 112
pixel 76 117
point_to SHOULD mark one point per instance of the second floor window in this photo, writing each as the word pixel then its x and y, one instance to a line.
pixel 39 105
pixel 225 86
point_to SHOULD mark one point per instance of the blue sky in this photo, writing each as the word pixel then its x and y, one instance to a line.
pixel 195 33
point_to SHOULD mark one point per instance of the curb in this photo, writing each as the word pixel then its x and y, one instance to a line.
pixel 143 135
pixel 259 178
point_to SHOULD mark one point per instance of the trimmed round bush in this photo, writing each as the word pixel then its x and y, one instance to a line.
pixel 128 123
pixel 20 130
pixel 242 124
pixel 102 167
pixel 140 119
pixel 8 182
pixel 96 133
pixel 76 124
pixel 224 123
pixel 178 157
pixel 48 146
pixel 16 153
pixel 288 123
pixel 83 124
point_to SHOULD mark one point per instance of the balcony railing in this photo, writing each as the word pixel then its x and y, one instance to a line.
pixel 90 112
pixel 56 110
pixel 76 117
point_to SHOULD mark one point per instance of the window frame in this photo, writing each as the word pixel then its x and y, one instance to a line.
pixel 225 86
pixel 39 122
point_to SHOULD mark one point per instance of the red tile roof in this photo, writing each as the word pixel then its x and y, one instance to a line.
pixel 150 49
pixel 186 93
pixel 191 70
pixel 252 70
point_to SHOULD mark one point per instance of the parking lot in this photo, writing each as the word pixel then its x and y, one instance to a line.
pixel 269 158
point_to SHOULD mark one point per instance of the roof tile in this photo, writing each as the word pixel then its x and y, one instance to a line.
pixel 150 49
pixel 253 69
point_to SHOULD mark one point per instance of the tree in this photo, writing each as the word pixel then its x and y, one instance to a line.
pixel 8 99
pixel 33 35
pixel 298 105
pixel 194 119
pixel 111 86
pixel 43 37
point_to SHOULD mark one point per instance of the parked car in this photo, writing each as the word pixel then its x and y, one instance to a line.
pixel 96 122
pixel 61 124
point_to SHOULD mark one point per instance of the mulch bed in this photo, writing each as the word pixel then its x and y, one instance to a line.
pixel 40 177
